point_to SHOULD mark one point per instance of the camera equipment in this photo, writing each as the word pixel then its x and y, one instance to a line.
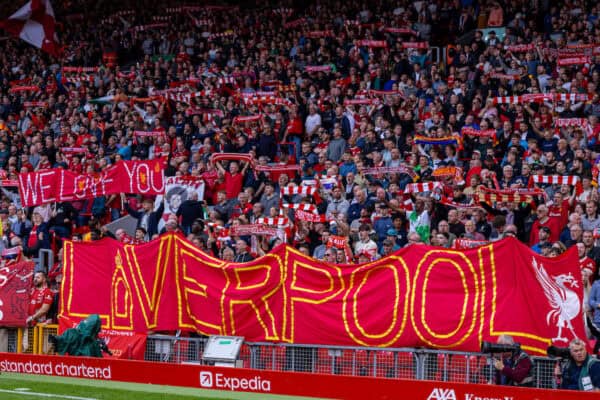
pixel 558 352
pixel 489 347
pixel 104 346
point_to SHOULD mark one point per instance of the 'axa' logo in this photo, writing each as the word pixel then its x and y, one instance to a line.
pixel 206 379
pixel 442 394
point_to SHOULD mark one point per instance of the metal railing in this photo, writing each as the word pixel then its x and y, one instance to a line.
pixel 404 363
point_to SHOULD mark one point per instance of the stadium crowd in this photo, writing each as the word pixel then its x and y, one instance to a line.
pixel 353 129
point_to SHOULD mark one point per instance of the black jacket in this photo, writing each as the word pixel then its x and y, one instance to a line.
pixel 153 218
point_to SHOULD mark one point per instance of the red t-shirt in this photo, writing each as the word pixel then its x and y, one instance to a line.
pixel 233 184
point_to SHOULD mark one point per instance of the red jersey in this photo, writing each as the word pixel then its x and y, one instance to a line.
pixel 560 211
pixel 39 297
pixel 553 223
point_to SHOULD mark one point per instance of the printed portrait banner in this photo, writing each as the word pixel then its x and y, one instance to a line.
pixel 419 296
pixel 15 284
pixel 179 189
pixel 57 184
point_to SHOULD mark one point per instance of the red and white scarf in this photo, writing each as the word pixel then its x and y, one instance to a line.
pixel 9 182
pixel 141 28
pixel 148 133
pixel 16 89
pixel 340 242
pixel 422 187
pixel 447 202
pixel 295 23
pixel 555 179
pixel 520 48
pixel 415 45
pixel 247 118
pixel 281 221
pixel 30 104
pixel 317 68
pixel 372 43
pixel 460 243
pixel 310 217
pixel 496 75
pixel 373 93
pixel 563 122
pixel 73 150
pixel 504 198
pixel 300 206
pixel 468 131
pixel 319 34
pixel 540 97
pixel 574 61
pixel 282 168
pixel 304 190
pixel 232 156
pixel 400 31
pixel 350 102
pixel 252 229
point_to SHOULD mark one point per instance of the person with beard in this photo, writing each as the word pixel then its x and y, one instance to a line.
pixel 41 299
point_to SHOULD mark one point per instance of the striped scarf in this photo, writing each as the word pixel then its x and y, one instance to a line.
pixel 304 190
pixel 273 221
pixel 303 207
pixel 540 97
pixel 422 187
pixel 491 198
pixel 554 179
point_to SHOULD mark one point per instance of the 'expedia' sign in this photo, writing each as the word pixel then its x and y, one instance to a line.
pixel 210 380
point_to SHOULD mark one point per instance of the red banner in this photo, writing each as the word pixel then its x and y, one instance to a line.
pixel 144 177
pixel 15 284
pixel 409 299
pixel 270 382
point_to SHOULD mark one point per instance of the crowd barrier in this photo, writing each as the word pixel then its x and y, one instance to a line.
pixel 403 363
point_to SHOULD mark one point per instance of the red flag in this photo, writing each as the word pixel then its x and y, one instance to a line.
pixel 35 24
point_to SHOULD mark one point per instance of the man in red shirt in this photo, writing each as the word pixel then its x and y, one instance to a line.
pixel 234 179
pixel 553 223
pixel 41 299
